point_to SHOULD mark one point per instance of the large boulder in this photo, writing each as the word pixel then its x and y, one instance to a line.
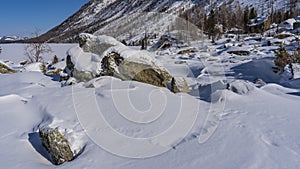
pixel 115 65
pixel 57 146
pixel 105 56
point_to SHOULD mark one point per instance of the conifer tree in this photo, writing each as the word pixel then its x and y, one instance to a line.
pixel 252 13
pixel 246 17
pixel 211 22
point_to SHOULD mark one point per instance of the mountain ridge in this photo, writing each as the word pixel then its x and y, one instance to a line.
pixel 96 14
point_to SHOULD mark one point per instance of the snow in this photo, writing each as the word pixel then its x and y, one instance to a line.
pixel 15 52
pixel 253 126
pixel 103 39
pixel 288 24
pixel 33 67
pixel 87 62
pixel 225 122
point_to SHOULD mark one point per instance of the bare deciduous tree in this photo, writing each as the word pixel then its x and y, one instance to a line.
pixel 35 50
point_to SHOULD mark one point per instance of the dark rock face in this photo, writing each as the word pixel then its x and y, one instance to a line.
pixel 69 69
pixel 239 52
pixel 108 62
pixel 56 145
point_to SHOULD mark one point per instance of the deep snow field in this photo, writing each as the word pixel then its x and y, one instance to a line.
pixel 227 121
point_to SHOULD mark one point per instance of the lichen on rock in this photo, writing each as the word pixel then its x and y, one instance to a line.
pixel 57 146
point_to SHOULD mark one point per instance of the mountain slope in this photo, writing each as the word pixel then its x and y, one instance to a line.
pixel 99 14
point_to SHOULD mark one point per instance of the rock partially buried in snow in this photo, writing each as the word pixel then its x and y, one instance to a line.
pixel 179 85
pixel 241 87
pixel 241 51
pixel 81 65
pixel 259 82
pixel 165 42
pixel 4 69
pixel 57 146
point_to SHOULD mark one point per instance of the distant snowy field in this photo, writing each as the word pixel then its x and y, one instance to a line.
pixel 238 125
pixel 15 52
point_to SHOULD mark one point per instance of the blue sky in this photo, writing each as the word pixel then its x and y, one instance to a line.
pixel 23 17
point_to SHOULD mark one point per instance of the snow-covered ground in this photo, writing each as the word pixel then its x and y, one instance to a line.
pixel 227 121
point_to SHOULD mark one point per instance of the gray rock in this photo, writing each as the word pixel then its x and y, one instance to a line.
pixel 241 87
pixel 259 82
pixel 124 69
pixel 179 85
pixel 57 146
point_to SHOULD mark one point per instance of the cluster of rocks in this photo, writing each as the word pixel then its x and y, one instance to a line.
pixel 113 63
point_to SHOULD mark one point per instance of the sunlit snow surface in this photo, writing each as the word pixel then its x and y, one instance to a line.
pixel 244 127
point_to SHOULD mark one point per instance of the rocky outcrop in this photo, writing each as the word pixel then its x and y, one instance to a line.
pixel 105 56
pixel 179 85
pixel 57 146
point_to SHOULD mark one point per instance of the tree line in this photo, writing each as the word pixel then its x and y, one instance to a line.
pixel 226 17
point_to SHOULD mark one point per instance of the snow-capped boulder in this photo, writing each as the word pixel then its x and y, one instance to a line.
pixel 97 44
pixel 105 56
pixel 5 69
pixel 57 146
pixel 179 85
pixel 81 65
pixel 259 82
pixel 241 87
pixel 165 42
